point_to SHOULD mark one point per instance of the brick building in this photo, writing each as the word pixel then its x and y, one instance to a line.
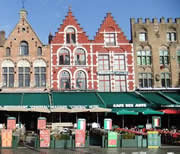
pixel 24 60
pixel 103 64
pixel 156 52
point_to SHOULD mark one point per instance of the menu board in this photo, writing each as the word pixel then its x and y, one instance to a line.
pixel 11 123
pixel 6 138
pixel 41 123
pixel 112 139
pixel 80 138
pixel 44 138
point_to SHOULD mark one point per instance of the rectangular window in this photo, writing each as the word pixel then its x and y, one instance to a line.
pixel 104 83
pixel 143 36
pixel 24 76
pixel 40 76
pixel 120 83
pixel 110 39
pixel 164 57
pixel 178 57
pixel 171 36
pixel 144 57
pixel 145 80
pixel 165 80
pixel 8 76
pixel 119 62
pixel 103 62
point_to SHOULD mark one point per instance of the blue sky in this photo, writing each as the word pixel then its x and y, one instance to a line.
pixel 46 15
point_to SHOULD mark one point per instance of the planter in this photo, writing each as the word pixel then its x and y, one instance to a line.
pixel 63 144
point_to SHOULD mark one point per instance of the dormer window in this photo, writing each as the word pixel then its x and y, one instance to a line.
pixel 24 48
pixel 142 36
pixel 8 51
pixel 39 51
pixel 110 39
pixel 70 35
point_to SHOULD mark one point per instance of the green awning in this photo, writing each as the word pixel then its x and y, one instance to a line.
pixel 10 99
pixel 123 100
pixel 36 99
pixel 152 112
pixel 173 95
pixel 77 102
pixel 162 99
pixel 126 112
pixel 71 99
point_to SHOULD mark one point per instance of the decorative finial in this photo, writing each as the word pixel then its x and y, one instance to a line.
pixel 69 8
pixel 23 1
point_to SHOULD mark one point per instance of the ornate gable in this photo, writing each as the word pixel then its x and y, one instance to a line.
pixel 70 22
pixel 109 26
pixel 22 32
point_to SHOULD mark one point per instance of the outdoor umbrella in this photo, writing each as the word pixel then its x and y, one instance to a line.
pixel 151 112
pixel 125 112
pixel 170 111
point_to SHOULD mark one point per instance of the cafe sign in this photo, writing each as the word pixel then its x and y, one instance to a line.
pixel 128 105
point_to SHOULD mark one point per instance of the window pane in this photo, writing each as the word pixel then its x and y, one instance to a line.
pixel 20 80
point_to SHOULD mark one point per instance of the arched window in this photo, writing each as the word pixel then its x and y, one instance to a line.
pixel 39 51
pixel 80 57
pixel 64 57
pixel 24 48
pixel 70 35
pixel 164 56
pixel 80 80
pixel 65 80
pixel 24 73
pixel 8 73
pixel 8 51
pixel 40 73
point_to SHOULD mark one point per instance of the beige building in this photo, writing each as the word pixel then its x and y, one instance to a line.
pixel 156 52
pixel 24 60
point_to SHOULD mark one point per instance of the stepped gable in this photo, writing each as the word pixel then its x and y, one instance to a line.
pixel 109 25
pixel 69 21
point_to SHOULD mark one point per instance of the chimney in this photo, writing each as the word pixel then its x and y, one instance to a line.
pixel 50 37
pixel 2 38
pixel 23 14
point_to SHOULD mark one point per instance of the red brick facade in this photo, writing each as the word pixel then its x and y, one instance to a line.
pixel 103 64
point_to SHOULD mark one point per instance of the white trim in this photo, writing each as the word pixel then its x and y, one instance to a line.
pixel 57 54
pixel 74 75
pixel 39 63
pixel 79 47
pixel 117 45
pixel 58 77
pixel 23 63
pixel 7 63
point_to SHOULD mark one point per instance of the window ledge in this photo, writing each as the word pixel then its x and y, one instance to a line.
pixel 116 46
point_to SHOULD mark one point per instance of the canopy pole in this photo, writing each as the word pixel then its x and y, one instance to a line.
pixel 76 118
pixel 122 121
pixel 60 117
pixel 19 118
pixel 147 119
pixel 168 122
pixel 97 117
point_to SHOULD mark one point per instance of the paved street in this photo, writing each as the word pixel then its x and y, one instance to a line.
pixel 92 150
